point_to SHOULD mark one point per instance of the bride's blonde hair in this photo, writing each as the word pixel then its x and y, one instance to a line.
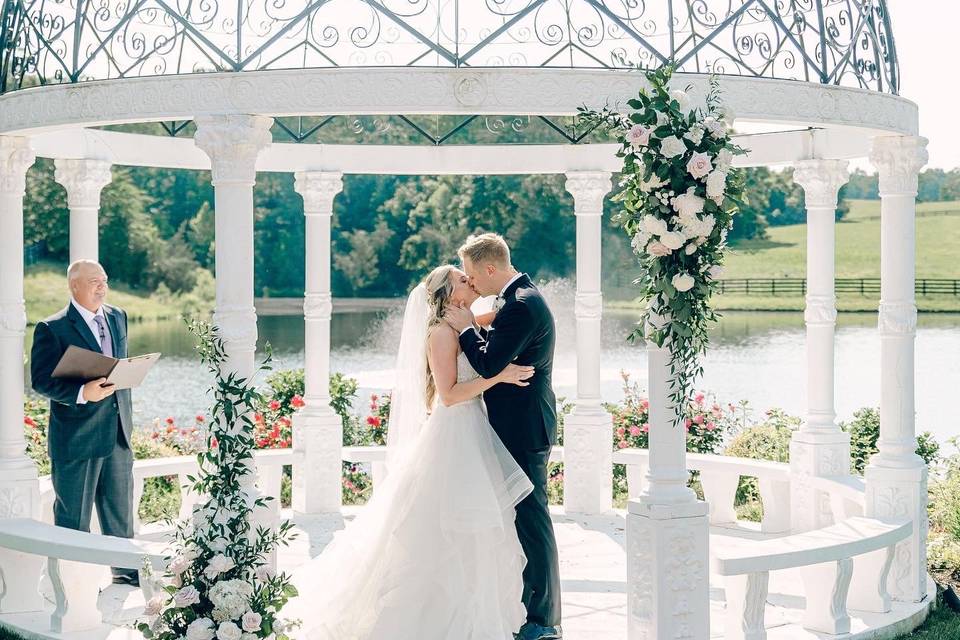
pixel 439 289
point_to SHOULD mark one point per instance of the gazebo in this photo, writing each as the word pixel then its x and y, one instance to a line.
pixel 814 83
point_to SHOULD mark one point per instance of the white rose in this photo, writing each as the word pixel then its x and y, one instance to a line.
pixel 682 282
pixel 688 204
pixel 699 165
pixel 218 544
pixel 653 225
pixel 672 240
pixel 715 127
pixel 690 249
pixel 716 185
pixel 186 596
pixel 724 159
pixel 695 135
pixel 662 118
pixel 154 606
pixel 251 621
pixel 707 224
pixel 672 146
pixel 682 99
pixel 218 564
pixel 200 629
pixel 178 565
pixel 639 135
pixel 716 271
pixel 228 631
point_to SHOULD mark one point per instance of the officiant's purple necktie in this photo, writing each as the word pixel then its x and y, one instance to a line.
pixel 106 344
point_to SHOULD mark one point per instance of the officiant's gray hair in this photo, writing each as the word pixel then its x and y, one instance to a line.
pixel 486 248
pixel 73 271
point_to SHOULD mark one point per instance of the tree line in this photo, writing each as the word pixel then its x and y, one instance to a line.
pixel 157 225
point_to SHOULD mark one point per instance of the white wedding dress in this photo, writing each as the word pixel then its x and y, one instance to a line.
pixel 434 555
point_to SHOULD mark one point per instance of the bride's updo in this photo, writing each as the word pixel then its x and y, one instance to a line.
pixel 439 289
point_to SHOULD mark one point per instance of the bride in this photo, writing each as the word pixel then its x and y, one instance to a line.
pixel 434 555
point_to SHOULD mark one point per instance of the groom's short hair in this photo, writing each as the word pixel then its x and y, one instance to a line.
pixel 486 248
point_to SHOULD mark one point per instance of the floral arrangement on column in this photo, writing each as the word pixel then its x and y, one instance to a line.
pixel 219 583
pixel 679 194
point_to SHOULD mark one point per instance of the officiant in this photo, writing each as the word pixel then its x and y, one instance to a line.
pixel 91 424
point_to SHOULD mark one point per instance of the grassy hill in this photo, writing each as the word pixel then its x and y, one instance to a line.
pixel 783 254
pixel 46 292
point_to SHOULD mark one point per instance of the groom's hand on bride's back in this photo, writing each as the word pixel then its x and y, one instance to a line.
pixel 459 318
pixel 516 374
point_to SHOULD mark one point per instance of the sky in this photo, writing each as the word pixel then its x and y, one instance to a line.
pixel 926 32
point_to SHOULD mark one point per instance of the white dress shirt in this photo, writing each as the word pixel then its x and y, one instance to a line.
pixel 515 277
pixel 88 317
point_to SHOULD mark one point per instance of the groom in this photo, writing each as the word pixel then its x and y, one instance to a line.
pixel 525 418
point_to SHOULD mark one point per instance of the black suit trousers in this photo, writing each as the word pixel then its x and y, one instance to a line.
pixel 541 576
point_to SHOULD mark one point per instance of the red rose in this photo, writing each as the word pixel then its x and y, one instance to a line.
pixel 373 397
pixel 258 418
pixel 200 418
pixel 213 443
pixel 27 420
pixel 274 405
pixel 169 420
pixel 297 401
pixel 373 421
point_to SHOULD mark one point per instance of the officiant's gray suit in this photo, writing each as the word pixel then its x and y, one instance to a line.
pixel 88 442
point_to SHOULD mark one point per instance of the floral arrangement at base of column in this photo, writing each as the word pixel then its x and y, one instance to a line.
pixel 219 583
pixel 679 194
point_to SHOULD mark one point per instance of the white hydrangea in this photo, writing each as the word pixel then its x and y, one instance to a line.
pixel 672 240
pixel 232 597
pixel 688 204
pixel 653 225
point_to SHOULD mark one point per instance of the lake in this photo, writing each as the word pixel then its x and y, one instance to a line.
pixel 754 356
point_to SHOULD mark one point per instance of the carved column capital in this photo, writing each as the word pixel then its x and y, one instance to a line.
pixel 588 189
pixel 233 142
pixel 588 305
pixel 821 180
pixel 16 157
pixel 317 306
pixel 898 160
pixel 83 179
pixel 318 189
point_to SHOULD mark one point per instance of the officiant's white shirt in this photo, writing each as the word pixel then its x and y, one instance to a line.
pixel 88 317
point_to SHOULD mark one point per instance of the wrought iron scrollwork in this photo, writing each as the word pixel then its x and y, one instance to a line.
pixel 845 42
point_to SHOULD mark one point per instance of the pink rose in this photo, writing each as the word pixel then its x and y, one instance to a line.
pixel 634 430
pixel 251 621
pixel 711 426
pixel 687 423
pixel 645 428
pixel 622 444
pixel 620 431
pixel 656 248
pixel 639 135
pixel 698 419
pixel 699 165
pixel 154 606
pixel 699 398
pixel 186 596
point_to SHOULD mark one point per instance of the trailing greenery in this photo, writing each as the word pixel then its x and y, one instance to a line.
pixel 679 195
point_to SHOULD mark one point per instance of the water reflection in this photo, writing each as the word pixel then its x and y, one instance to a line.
pixel 756 356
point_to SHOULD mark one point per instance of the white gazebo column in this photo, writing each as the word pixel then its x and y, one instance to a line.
pixel 233 142
pixel 19 490
pixel 820 447
pixel 587 433
pixel 318 429
pixel 668 590
pixel 83 179
pixel 896 476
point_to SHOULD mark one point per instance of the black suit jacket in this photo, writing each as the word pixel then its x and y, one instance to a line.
pixel 523 333
pixel 79 431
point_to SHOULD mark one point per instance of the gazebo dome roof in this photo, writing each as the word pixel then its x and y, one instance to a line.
pixel 825 41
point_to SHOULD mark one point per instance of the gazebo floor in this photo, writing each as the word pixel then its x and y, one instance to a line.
pixel 593 578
